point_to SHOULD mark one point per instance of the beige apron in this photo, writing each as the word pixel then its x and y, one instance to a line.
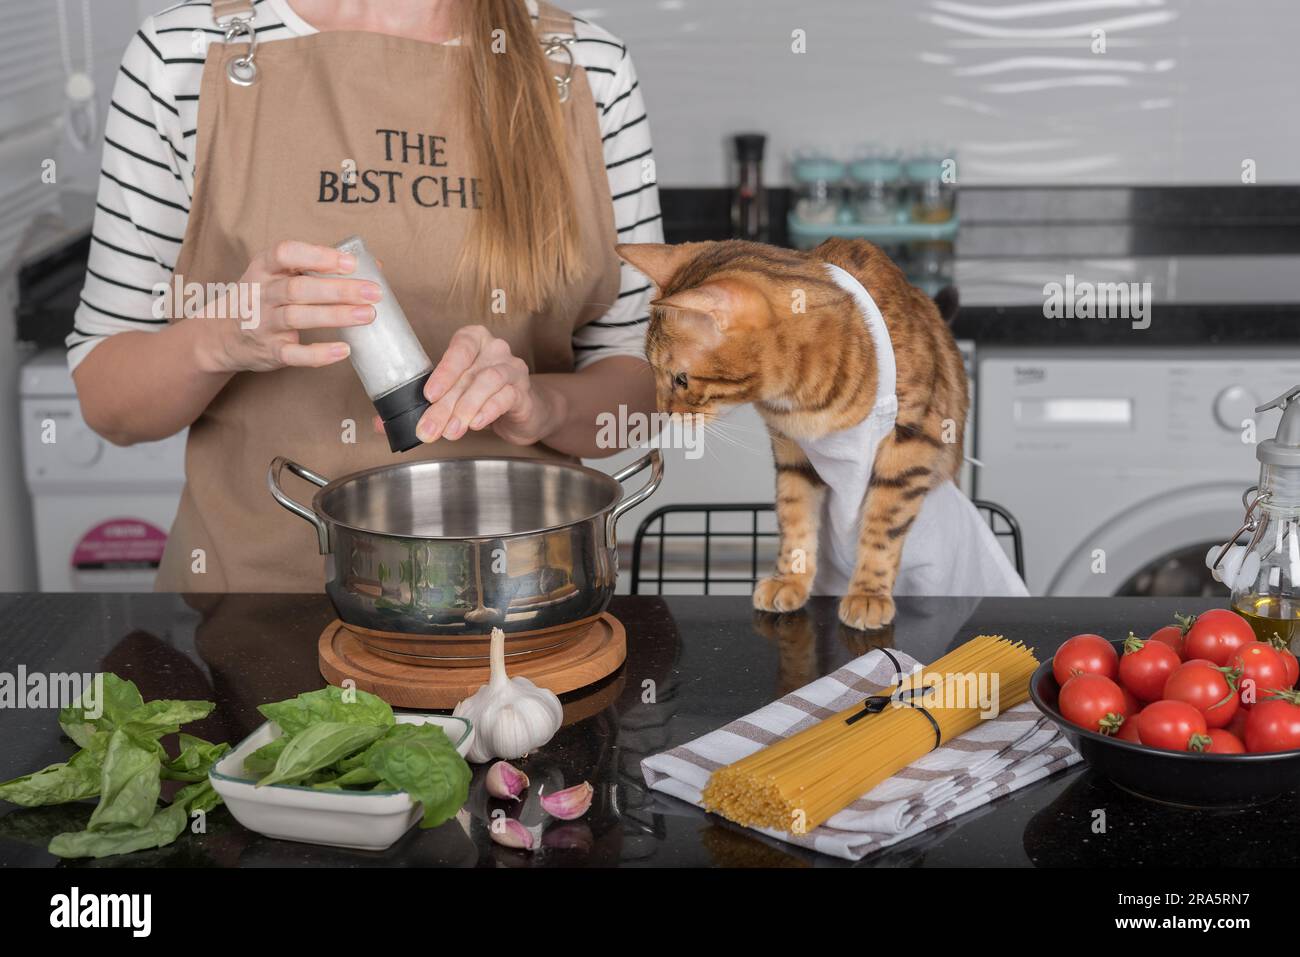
pixel 273 162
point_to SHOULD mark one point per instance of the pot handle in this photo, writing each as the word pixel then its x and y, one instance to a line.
pixel 656 464
pixel 279 464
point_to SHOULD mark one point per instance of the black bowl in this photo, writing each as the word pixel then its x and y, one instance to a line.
pixel 1173 777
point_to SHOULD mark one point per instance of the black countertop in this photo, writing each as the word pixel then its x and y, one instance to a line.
pixel 711 659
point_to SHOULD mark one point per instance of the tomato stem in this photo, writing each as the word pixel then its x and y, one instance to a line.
pixel 1133 643
pixel 1283 694
pixel 1184 622
pixel 1279 643
pixel 1111 723
pixel 1199 742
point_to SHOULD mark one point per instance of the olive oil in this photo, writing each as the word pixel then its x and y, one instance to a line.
pixel 1269 615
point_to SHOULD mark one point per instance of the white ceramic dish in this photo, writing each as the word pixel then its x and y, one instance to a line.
pixel 363 820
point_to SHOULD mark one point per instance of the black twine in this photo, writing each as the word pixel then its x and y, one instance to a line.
pixel 877 703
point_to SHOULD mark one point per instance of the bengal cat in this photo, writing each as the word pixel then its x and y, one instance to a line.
pixel 739 322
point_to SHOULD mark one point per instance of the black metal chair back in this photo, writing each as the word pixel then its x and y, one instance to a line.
pixel 724 524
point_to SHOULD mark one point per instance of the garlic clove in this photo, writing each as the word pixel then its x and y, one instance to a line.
pixel 506 781
pixel 508 832
pixel 570 803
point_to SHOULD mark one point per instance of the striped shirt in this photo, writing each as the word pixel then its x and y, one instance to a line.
pixel 146 182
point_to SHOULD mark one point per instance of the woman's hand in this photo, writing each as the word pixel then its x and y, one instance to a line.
pixel 480 383
pixel 288 304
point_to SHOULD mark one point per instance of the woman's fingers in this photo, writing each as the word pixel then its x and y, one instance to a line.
pixel 319 290
pixel 299 316
pixel 437 419
pixel 312 355
pixel 462 352
pixel 495 385
pixel 495 407
pixel 292 256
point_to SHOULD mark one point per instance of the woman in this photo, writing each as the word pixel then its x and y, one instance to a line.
pixel 489 152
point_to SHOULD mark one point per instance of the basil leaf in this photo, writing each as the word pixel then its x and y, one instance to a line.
pixel 129 784
pixel 160 828
pixel 262 761
pixel 318 747
pixel 331 704
pixel 120 697
pixel 199 796
pixel 357 777
pixel 195 760
pixel 420 760
pixel 73 780
pixel 156 718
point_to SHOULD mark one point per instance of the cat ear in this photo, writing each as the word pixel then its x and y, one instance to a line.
pixel 658 261
pixel 721 301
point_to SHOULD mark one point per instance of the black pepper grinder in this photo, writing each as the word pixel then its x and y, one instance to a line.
pixel 749 203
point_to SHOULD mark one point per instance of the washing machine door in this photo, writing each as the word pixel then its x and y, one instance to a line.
pixel 1156 547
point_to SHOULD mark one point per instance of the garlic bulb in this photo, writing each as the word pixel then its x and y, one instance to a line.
pixel 511 716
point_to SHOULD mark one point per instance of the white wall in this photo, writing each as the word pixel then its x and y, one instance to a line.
pixel 1186 90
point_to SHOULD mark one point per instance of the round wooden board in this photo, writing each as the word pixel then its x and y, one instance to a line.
pixel 584 661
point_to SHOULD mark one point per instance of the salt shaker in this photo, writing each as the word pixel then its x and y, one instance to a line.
pixel 389 359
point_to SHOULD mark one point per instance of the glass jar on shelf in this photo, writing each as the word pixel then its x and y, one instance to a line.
pixel 932 190
pixel 876 182
pixel 929 265
pixel 818 180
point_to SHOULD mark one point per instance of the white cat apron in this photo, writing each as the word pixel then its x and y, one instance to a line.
pixel 950 549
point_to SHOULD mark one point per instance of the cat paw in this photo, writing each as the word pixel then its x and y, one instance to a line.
pixel 866 612
pixel 781 594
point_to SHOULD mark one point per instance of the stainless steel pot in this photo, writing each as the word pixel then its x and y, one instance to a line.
pixel 455 547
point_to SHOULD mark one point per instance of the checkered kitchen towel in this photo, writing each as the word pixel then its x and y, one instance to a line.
pixel 997 757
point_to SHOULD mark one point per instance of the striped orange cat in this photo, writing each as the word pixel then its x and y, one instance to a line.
pixel 868 411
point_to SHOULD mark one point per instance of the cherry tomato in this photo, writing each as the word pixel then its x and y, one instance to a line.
pixel 1131 704
pixel 1206 688
pixel 1085 654
pixel 1093 702
pixel 1274 724
pixel 1283 648
pixel 1171 635
pixel 1262 670
pixel 1218 741
pixel 1216 635
pixel 1146 666
pixel 1237 726
pixel 1170 725
pixel 1128 731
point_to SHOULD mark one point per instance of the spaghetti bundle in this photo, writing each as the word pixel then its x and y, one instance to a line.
pixel 797 784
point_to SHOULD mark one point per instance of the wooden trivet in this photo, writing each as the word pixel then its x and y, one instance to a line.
pixel 594 655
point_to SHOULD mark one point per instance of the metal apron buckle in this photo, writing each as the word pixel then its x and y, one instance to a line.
pixel 242 70
pixel 561 45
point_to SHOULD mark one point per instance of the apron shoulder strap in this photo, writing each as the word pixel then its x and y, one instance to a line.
pixel 223 11
pixel 552 21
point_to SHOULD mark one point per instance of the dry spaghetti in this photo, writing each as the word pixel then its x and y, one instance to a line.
pixel 798 783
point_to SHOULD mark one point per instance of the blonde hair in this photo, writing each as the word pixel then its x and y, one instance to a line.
pixel 526 239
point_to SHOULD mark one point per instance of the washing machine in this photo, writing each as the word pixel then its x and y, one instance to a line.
pixel 100 512
pixel 1124 466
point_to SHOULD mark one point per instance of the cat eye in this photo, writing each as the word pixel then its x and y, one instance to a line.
pixel 680 380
